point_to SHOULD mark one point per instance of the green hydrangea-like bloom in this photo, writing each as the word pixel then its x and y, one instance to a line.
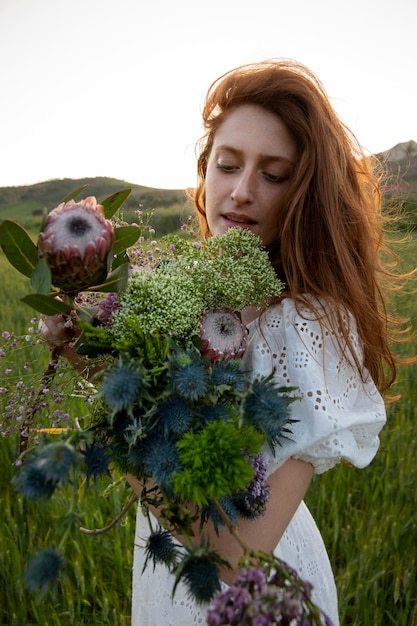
pixel 213 461
pixel 239 273
pixel 158 301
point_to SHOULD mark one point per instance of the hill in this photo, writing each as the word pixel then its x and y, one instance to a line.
pixel 400 163
pixel 32 199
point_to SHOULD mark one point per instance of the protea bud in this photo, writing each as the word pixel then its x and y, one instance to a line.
pixel 76 242
pixel 223 336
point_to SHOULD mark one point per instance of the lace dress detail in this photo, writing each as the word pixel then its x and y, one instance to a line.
pixel 338 415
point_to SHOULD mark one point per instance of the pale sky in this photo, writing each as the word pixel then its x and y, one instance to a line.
pixel 115 87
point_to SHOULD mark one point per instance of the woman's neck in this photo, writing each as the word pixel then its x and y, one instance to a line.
pixel 249 314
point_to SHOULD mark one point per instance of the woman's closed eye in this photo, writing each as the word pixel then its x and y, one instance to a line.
pixel 226 167
pixel 275 178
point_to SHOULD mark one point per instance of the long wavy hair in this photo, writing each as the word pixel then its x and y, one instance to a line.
pixel 331 232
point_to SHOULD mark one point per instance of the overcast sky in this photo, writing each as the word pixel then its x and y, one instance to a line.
pixel 115 87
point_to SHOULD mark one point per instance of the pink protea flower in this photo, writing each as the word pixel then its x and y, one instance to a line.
pixel 223 336
pixel 76 242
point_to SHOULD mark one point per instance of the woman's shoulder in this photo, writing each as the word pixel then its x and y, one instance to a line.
pixel 307 310
pixel 313 325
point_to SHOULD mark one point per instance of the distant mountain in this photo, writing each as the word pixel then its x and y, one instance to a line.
pixel 400 163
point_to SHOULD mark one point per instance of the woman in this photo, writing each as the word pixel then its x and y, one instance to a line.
pixel 276 159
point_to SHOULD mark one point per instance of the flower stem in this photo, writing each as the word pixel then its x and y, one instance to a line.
pixel 46 379
pixel 231 527
pixel 101 531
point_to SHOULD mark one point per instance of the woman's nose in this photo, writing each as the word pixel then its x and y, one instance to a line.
pixel 243 190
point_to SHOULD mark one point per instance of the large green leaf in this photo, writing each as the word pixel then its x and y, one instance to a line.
pixel 115 282
pixel 46 304
pixel 41 278
pixel 73 195
pixel 120 259
pixel 125 236
pixel 114 202
pixel 18 247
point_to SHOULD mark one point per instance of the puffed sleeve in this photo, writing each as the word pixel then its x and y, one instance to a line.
pixel 338 414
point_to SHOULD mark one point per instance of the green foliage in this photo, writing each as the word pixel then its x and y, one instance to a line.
pixel 18 247
pixel 96 584
pixel 112 203
pixel 213 463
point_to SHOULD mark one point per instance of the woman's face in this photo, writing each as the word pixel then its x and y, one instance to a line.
pixel 248 170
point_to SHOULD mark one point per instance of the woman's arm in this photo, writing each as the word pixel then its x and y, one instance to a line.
pixel 288 485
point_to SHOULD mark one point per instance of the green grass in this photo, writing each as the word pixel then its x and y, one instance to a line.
pixel 367 517
pixel 97 587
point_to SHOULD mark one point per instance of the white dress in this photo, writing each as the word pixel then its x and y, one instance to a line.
pixel 339 418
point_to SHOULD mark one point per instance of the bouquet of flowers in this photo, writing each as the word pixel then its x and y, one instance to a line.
pixel 169 399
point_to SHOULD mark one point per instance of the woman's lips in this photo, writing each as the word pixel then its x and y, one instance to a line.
pixel 237 218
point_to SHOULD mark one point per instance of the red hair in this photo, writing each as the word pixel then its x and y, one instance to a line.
pixel 331 228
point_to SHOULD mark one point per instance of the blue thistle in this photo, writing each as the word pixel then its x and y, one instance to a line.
pixel 175 415
pixel 161 548
pixel 56 460
pixel 43 570
pixel 160 460
pixel 200 573
pixel 189 376
pixel 42 472
pixel 32 483
pixel 228 373
pixel 96 460
pixel 123 385
pixel 212 412
pixel 268 409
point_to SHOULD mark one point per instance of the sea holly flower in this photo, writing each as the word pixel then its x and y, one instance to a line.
pixel 175 415
pixel 123 385
pixel 161 548
pixel 43 570
pixel 267 407
pixel 229 374
pixel 160 460
pixel 199 571
pixel 44 470
pixel 222 334
pixel 96 459
pixel 189 375
pixel 76 242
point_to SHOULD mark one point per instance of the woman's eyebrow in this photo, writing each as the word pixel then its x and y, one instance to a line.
pixel 264 157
